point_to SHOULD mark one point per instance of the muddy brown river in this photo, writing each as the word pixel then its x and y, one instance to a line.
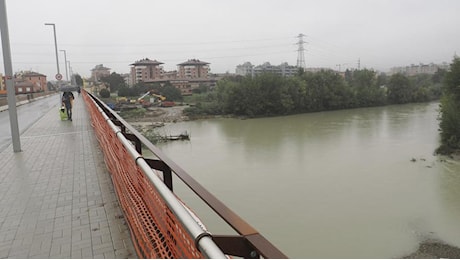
pixel 360 183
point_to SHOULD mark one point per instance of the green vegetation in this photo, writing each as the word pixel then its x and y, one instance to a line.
pixel 450 110
pixel 133 113
pixel 104 93
pixel 114 81
pixel 270 94
pixel 78 80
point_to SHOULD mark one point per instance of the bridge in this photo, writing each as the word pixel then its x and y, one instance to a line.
pixel 83 189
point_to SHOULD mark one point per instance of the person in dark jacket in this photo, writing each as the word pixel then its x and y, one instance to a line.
pixel 67 101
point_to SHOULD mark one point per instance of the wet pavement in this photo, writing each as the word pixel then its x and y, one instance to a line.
pixel 56 196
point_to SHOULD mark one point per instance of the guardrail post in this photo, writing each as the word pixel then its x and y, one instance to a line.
pixel 235 246
pixel 135 140
pixel 161 166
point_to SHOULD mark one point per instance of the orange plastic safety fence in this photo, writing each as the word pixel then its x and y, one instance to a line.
pixel 156 231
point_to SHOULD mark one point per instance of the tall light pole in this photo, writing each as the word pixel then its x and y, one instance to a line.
pixel 56 49
pixel 9 78
pixel 65 63
pixel 71 73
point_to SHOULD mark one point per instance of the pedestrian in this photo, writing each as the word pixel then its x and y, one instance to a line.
pixel 67 101
pixel 78 90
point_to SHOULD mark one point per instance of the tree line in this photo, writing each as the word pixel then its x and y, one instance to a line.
pixel 449 118
pixel 272 94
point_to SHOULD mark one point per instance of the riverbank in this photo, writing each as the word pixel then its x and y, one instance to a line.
pixel 158 115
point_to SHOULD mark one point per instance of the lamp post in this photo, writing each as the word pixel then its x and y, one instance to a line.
pixel 65 63
pixel 71 74
pixel 10 90
pixel 55 47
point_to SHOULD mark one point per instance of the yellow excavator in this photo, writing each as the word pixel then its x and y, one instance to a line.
pixel 145 103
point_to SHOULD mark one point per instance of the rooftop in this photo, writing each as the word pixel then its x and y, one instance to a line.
pixel 100 67
pixel 32 74
pixel 146 61
pixel 193 62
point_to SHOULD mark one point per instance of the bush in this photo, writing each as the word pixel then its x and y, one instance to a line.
pixel 104 93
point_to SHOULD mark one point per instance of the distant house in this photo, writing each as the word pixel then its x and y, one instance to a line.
pixel 30 82
pixel 24 87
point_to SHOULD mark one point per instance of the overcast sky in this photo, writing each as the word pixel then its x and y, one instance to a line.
pixel 380 33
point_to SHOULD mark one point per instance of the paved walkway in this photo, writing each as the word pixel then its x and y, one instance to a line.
pixel 56 196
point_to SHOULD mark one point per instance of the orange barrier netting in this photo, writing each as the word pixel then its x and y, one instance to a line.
pixel 155 230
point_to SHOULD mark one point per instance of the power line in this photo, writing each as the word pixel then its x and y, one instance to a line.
pixel 156 44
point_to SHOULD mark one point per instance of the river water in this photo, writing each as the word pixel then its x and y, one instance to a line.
pixel 339 184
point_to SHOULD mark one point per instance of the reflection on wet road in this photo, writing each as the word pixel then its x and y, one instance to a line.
pixel 27 115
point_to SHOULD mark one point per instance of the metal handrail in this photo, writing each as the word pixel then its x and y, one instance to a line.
pixel 251 241
pixel 201 237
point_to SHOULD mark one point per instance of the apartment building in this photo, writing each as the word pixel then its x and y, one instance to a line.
pixel 98 72
pixel 419 69
pixel 190 74
pixel 245 69
pixel 146 70
pixel 193 69
pixel 284 69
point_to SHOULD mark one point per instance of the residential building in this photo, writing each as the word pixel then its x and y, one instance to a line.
pixel 98 72
pixel 266 68
pixel 284 69
pixel 288 70
pixel 23 86
pixel 244 69
pixel 419 69
pixel 193 69
pixel 192 74
pixel 127 78
pixel 146 70
pixel 189 75
pixel 317 69
pixel 30 82
pixel 39 80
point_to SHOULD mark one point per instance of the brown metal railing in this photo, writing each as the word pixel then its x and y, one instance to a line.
pixel 248 244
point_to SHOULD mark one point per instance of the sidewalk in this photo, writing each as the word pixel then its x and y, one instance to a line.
pixel 56 196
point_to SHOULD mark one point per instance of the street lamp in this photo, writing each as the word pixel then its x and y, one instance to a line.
pixel 56 48
pixel 65 60
pixel 71 73
pixel 6 49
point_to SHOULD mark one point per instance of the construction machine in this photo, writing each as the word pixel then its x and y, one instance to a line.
pixel 159 99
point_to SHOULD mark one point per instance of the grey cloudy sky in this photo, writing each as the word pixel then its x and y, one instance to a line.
pixel 225 33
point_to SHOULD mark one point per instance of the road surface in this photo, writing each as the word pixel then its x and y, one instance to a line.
pixel 28 114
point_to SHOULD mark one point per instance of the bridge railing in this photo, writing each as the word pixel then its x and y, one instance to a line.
pixel 162 226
